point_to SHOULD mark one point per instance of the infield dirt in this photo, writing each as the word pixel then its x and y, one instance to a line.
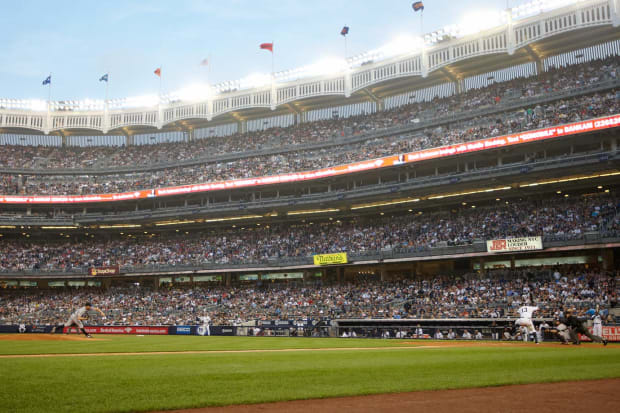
pixel 566 397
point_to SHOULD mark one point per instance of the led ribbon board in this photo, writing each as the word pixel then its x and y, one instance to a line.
pixel 411 157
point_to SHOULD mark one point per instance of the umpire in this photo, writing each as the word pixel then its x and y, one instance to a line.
pixel 577 327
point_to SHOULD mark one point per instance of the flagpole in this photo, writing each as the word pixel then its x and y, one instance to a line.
pixel 160 76
pixel 49 89
pixel 272 60
pixel 209 63
pixel 107 83
pixel 422 24
pixel 346 53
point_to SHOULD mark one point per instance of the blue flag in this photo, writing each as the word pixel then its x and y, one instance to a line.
pixel 418 6
pixel 104 78
pixel 47 80
pixel 344 31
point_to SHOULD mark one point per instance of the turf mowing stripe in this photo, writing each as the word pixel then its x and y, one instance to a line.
pixel 159 353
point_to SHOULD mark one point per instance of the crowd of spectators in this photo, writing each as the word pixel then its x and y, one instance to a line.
pixel 559 112
pixel 525 118
pixel 491 294
pixel 563 218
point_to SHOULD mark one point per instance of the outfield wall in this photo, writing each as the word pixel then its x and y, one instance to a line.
pixel 362 328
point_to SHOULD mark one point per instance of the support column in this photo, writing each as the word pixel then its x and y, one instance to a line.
pixel 348 83
pixel 242 126
pixel 535 58
pixel 424 62
pixel 379 102
pixel 510 34
pixel 608 259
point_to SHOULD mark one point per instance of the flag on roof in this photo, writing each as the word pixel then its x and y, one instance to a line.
pixel 158 71
pixel 344 31
pixel 104 78
pixel 47 80
pixel 418 6
pixel 204 62
pixel 267 46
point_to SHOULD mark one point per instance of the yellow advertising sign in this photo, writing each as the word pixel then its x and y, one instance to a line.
pixel 329 259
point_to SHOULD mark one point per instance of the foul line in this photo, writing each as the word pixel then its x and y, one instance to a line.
pixel 159 353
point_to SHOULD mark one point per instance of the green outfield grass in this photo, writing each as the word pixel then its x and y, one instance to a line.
pixel 150 382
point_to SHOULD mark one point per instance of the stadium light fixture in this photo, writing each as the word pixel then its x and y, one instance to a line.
pixel 387 203
pixel 193 93
pixel 38 104
pixel 145 101
pixel 234 218
pixel 312 211
pixel 479 21
pixel 60 227
pixel 115 226
pixel 477 191
pixel 326 66
pixel 401 45
pixel 166 223
pixel 570 179
pixel 255 80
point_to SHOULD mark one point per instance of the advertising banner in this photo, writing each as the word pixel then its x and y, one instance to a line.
pixel 115 270
pixel 330 259
pixel 515 244
pixel 610 333
pixel 445 151
pixel 145 330
pixel 183 330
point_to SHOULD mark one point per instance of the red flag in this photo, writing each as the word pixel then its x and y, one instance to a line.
pixel 205 62
pixel 158 71
pixel 267 46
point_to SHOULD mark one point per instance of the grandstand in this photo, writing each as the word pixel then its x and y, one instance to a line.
pixel 412 164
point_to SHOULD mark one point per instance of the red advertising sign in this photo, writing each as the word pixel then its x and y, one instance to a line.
pixel 146 330
pixel 445 151
pixel 610 333
pixel 114 270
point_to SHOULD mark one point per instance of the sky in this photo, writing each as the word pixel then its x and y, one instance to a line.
pixel 78 41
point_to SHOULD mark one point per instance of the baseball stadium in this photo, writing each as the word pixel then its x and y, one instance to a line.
pixel 429 225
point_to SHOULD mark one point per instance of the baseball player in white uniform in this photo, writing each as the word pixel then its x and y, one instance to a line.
pixel 204 329
pixel 77 317
pixel 525 320
pixel 597 324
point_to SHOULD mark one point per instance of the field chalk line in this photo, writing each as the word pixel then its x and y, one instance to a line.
pixel 154 353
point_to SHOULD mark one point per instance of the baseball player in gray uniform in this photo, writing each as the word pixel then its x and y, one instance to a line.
pixel 77 317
